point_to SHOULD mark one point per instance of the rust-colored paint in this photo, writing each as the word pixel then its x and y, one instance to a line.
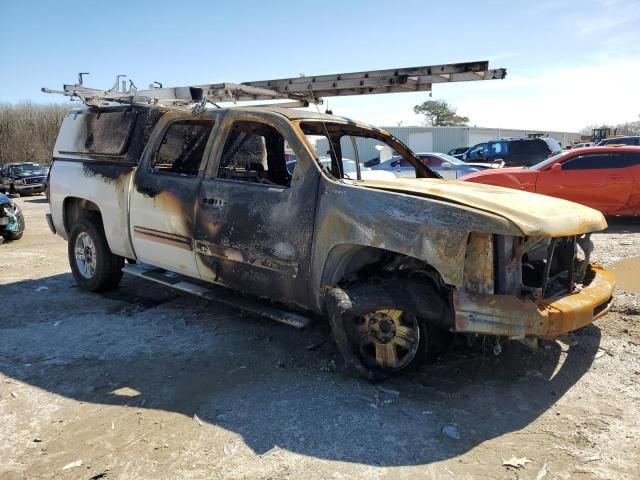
pixel 478 264
pixel 511 316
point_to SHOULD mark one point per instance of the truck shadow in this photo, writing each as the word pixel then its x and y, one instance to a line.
pixel 270 384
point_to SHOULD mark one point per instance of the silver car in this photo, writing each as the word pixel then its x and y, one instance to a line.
pixel 447 166
pixel 350 170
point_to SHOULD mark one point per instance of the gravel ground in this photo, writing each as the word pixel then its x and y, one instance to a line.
pixel 147 383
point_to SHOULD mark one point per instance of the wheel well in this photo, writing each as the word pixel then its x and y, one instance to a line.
pixel 76 208
pixel 350 265
pixel 354 263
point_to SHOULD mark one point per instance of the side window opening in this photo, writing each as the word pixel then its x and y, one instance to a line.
pixel 98 132
pixel 333 144
pixel 182 147
pixel 496 149
pixel 403 163
pixel 255 152
pixel 632 159
pixel 595 162
pixel 430 161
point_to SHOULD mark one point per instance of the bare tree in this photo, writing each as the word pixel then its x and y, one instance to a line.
pixel 28 131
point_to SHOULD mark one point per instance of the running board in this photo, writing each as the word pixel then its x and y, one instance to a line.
pixel 217 294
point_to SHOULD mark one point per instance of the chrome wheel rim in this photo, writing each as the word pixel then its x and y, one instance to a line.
pixel 388 338
pixel 85 252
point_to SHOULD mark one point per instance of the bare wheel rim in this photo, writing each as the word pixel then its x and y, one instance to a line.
pixel 388 338
pixel 85 253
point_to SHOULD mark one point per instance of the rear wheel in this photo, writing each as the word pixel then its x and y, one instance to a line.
pixel 93 265
pixel 382 332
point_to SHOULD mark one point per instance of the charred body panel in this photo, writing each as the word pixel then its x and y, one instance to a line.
pixel 433 231
pixel 257 237
pixel 108 198
pixel 516 317
pixel 93 145
pixel 164 197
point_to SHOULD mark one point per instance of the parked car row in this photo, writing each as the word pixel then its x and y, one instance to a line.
pixel 445 165
pixel 606 178
pixel 514 152
pixel 631 140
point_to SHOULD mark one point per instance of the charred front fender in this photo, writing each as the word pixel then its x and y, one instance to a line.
pixel 434 231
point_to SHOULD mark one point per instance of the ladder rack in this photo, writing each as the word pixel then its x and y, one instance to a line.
pixel 301 90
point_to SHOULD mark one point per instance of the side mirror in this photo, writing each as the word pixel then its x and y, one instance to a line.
pixel 395 163
pixel 556 167
pixel 446 165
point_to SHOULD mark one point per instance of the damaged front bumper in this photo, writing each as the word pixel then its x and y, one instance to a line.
pixel 510 316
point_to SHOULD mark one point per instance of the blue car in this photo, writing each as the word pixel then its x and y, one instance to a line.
pixel 11 219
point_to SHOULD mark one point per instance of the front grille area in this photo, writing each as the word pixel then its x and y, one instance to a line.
pixel 31 181
pixel 551 268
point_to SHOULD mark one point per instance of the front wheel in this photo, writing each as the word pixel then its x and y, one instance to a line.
pixel 93 265
pixel 381 331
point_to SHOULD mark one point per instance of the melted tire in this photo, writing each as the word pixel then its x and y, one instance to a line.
pixel 108 270
pixel 345 306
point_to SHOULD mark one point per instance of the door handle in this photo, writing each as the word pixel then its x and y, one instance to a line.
pixel 215 202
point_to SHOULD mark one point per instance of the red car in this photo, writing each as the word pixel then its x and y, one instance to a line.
pixel 604 178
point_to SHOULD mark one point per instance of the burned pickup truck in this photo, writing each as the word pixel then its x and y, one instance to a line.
pixel 203 201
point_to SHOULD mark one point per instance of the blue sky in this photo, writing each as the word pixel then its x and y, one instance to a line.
pixel 570 63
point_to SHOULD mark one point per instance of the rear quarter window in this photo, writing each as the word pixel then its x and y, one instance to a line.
pixel 107 133
pixel 530 147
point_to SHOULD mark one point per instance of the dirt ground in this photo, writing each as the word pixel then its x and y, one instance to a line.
pixel 144 382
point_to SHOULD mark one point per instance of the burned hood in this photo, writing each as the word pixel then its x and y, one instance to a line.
pixel 533 214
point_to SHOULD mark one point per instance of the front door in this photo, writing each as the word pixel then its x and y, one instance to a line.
pixel 598 180
pixel 165 194
pixel 255 222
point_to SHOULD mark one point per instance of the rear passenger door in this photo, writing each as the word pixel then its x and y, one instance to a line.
pixel 165 194
pixel 601 181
